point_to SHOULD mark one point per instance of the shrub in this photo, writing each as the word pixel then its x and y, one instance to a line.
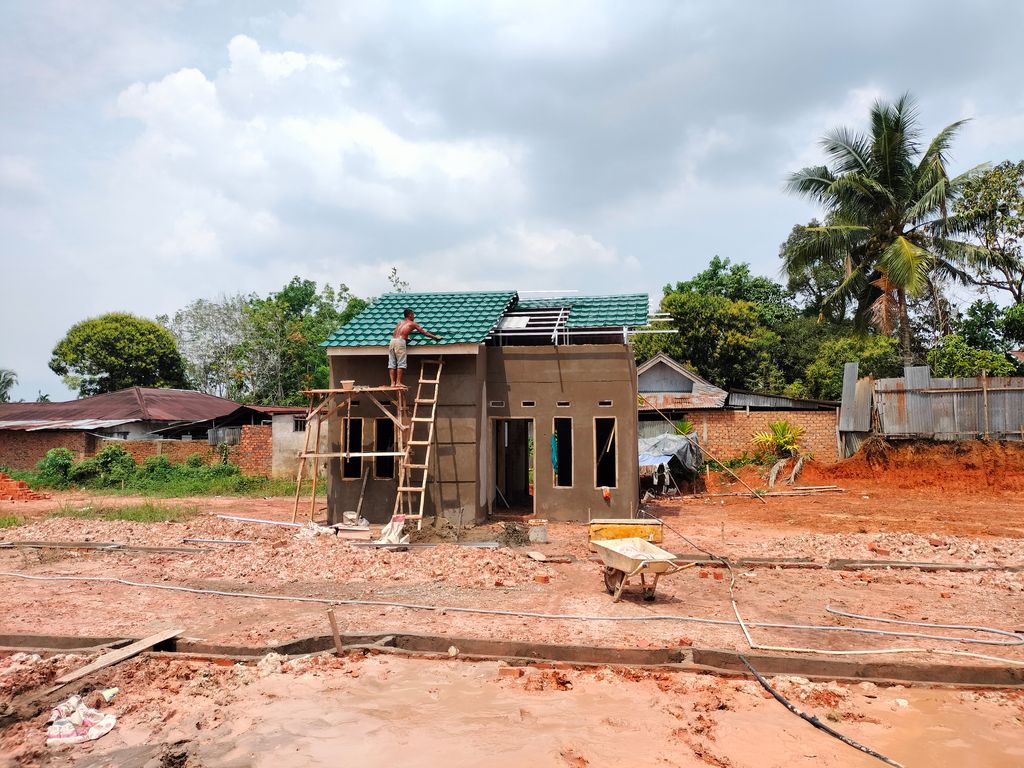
pixel 85 472
pixel 781 438
pixel 952 356
pixel 55 467
pixel 157 468
pixel 195 460
pixel 116 464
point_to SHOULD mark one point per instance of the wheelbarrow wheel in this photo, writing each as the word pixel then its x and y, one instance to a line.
pixel 612 579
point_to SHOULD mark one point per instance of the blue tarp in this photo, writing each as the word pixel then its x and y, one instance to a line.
pixel 659 451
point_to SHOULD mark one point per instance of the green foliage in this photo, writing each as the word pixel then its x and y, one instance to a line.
pixel 8 379
pixel 990 210
pixel 724 340
pixel 55 467
pixel 10 521
pixel 811 284
pixel 262 349
pixel 147 512
pixel 886 202
pixel 115 351
pixel 981 326
pixel 734 282
pixel 878 356
pixel 685 427
pixel 781 438
pixel 113 471
pixel 953 357
pixel 1013 325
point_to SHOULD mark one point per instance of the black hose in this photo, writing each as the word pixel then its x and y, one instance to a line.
pixel 814 720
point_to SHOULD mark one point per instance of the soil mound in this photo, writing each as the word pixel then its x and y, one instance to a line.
pixel 956 466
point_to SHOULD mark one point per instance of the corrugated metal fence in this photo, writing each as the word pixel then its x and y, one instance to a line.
pixel 917 405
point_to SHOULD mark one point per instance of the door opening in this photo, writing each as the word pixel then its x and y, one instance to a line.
pixel 514 464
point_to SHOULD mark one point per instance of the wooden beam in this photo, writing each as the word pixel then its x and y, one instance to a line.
pixel 115 657
pixel 386 412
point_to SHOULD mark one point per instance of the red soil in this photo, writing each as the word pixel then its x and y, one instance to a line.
pixel 964 466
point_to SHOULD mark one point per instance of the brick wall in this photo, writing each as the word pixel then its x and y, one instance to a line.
pixel 255 450
pixel 23 450
pixel 727 434
pixel 176 451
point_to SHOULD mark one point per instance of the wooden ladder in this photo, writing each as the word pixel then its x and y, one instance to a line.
pixel 414 465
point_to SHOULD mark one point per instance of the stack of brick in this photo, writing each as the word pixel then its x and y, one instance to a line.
pixel 17 490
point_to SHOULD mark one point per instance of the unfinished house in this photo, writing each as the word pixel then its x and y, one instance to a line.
pixel 525 406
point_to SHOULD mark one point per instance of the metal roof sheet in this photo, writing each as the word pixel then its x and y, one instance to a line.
pixel 629 309
pixel 133 403
pixel 76 424
pixel 464 317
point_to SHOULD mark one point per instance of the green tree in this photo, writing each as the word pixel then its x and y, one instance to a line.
pixel 990 210
pixel 811 284
pixel 736 283
pixel 725 341
pixel 886 203
pixel 209 334
pixel 8 379
pixel 118 350
pixel 878 356
pixel 280 352
pixel 954 357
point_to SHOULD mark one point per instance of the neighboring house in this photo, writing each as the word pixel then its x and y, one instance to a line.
pixel 29 430
pixel 526 385
pixel 725 421
pixel 287 432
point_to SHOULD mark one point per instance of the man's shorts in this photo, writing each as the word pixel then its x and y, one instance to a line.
pixel 396 354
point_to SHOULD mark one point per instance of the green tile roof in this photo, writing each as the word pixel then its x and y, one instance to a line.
pixel 464 317
pixel 596 311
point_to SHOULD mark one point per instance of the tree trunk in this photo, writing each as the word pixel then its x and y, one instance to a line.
pixel 908 356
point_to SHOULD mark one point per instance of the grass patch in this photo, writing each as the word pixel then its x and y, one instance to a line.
pixel 147 512
pixel 10 521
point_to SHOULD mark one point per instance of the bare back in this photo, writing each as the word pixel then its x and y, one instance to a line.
pixel 405 328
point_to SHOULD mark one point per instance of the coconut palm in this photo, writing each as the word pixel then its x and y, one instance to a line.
pixel 886 204
pixel 8 379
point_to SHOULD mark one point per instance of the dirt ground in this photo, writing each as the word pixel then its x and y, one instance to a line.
pixel 384 710
pixel 887 511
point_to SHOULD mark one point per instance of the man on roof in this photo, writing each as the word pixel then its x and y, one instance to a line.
pixel 397 353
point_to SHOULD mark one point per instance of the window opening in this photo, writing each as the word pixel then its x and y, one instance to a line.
pixel 352 467
pixel 497 404
pixel 529 403
pixel 561 452
pixel 298 424
pixel 604 403
pixel 563 403
pixel 605 467
pixel 384 440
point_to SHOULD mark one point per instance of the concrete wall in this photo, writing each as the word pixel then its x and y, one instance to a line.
pixel 463 475
pixel 453 484
pixel 288 444
pixel 661 378
pixel 584 377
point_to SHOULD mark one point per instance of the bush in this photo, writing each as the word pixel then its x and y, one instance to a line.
pixel 116 464
pixel 85 472
pixel 157 468
pixel 195 461
pixel 55 467
pixel 781 438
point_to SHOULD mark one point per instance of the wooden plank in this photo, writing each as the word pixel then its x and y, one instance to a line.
pixel 116 657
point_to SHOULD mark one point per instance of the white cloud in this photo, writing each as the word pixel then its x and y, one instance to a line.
pixel 524 256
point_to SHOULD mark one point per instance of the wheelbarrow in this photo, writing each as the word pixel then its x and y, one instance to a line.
pixel 626 558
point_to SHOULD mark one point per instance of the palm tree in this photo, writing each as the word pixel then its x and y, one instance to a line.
pixel 886 204
pixel 8 379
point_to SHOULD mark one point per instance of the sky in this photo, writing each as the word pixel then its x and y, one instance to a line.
pixel 152 153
